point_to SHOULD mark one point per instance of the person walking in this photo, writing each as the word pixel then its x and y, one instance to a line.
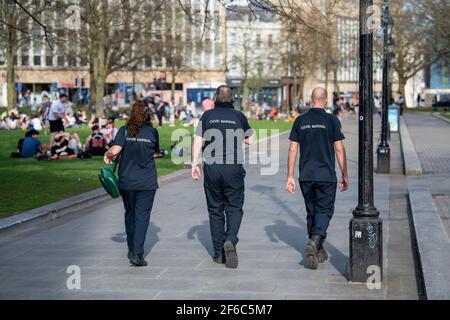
pixel 159 107
pixel 400 102
pixel 136 142
pixel 223 170
pixel 56 115
pixel 319 137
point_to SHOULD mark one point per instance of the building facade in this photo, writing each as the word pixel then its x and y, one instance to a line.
pixel 65 66
pixel 343 63
pixel 228 42
pixel 254 59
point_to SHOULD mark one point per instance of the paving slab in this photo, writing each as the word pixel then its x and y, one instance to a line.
pixel 179 248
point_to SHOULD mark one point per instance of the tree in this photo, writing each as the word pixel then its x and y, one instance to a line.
pixel 113 35
pixel 175 45
pixel 243 57
pixel 301 56
pixel 421 36
pixel 18 27
pixel 251 57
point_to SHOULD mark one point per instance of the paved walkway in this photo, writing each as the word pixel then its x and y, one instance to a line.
pixel 33 263
pixel 431 138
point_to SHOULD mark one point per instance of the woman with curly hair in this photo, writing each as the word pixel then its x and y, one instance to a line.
pixel 136 142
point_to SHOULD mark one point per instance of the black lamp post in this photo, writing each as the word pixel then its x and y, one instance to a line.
pixel 365 226
pixel 383 150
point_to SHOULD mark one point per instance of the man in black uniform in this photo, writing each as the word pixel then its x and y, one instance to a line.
pixel 319 136
pixel 223 129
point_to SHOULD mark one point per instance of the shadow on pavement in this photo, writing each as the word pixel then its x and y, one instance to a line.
pixel 291 235
pixel 203 236
pixel 151 238
pixel 295 236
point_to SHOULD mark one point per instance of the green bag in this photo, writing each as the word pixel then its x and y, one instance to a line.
pixel 108 178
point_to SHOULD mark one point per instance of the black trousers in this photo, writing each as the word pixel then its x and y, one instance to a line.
pixel 319 201
pixel 138 205
pixel 160 115
pixel 224 189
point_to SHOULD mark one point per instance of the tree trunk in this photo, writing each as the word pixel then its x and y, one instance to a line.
pixel 172 86
pixel 100 73
pixel 99 94
pixel 245 94
pixel 296 91
pixel 92 89
pixel 11 78
pixel 99 58
pixel 301 87
pixel 335 80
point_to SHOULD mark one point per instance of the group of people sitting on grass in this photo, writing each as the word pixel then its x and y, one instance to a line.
pixel 66 145
pixel 57 117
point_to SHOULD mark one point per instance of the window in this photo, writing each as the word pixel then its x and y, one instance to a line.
pixel 61 61
pixel 158 62
pixel 72 61
pixel 25 60
pixel 259 67
pixel 83 61
pixel 148 62
pixel 233 39
pixel 234 63
pixel 37 60
pixel 258 40
pixel 49 61
pixel 270 41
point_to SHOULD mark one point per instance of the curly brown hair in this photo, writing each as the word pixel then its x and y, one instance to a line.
pixel 140 116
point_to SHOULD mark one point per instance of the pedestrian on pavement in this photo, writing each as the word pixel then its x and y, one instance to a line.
pixel 400 102
pixel 319 137
pixel 223 170
pixel 136 142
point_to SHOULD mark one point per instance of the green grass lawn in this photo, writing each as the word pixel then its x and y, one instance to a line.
pixel 27 183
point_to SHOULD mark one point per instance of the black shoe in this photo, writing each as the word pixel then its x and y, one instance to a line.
pixel 130 255
pixel 219 259
pixel 231 258
pixel 312 251
pixel 322 255
pixel 138 261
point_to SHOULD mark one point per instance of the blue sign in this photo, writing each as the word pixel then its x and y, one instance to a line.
pixel 122 86
pixel 393 119
pixel 54 87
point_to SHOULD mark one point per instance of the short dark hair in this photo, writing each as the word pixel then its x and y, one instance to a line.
pixel 31 132
pixel 95 127
pixel 224 94
pixel 63 95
